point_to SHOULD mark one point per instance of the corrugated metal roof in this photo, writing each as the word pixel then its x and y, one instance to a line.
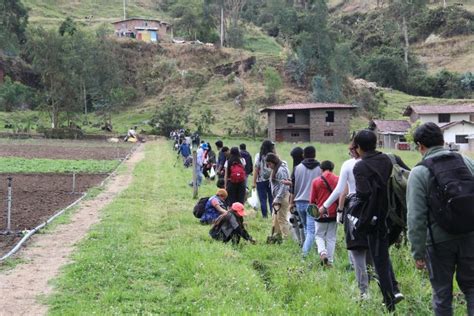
pixel 439 109
pixel 451 124
pixel 307 106
pixel 392 125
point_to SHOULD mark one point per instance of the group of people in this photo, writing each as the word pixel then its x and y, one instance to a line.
pixel 321 199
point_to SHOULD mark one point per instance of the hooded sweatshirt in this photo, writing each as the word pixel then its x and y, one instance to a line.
pixel 305 173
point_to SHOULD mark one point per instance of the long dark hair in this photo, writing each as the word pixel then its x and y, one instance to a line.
pixel 297 155
pixel 266 147
pixel 234 157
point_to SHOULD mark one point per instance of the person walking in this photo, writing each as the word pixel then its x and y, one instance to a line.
pixel 326 227
pixel 234 177
pixel 304 174
pixel 261 177
pixel 371 175
pixel 248 162
pixel 443 253
pixel 281 196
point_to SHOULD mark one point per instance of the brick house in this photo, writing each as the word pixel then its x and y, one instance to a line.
pixel 309 122
pixel 391 133
pixel 147 30
pixel 440 114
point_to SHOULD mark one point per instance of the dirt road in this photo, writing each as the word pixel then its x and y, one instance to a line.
pixel 47 253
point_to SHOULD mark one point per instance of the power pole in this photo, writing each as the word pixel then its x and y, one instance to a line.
pixel 124 11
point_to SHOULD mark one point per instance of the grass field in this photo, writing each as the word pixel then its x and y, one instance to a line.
pixel 23 165
pixel 149 255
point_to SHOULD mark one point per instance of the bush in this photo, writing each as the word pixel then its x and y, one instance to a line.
pixel 296 70
pixel 273 82
pixel 235 36
pixel 170 116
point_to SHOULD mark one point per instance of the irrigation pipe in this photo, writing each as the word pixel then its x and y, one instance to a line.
pixel 48 221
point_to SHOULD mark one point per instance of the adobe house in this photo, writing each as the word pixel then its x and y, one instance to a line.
pixel 309 122
pixel 147 30
pixel 440 114
pixel 391 133
pixel 458 133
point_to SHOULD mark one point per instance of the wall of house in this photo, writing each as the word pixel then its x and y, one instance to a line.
pixel 340 127
pixel 292 135
pixel 301 118
pixel 271 125
pixel 424 118
pixel 459 129
pixel 163 30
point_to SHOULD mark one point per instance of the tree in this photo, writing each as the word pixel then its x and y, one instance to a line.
pixel 13 22
pixel 204 120
pixel 273 83
pixel 13 94
pixel 169 116
pixel 251 120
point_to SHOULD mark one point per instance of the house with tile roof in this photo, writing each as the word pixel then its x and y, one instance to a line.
pixel 309 122
pixel 391 133
pixel 458 133
pixel 440 114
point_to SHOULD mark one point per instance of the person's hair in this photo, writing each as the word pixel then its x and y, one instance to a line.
pixel 266 148
pixel 297 155
pixel 352 150
pixel 209 146
pixel 429 134
pixel 234 157
pixel 225 148
pixel 219 144
pixel 273 158
pixel 327 165
pixel 309 152
pixel 366 140
pixel 243 146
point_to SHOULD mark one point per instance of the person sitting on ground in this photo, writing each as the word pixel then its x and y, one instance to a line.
pixel 215 206
pixel 230 226
pixel 326 227
pixel 131 134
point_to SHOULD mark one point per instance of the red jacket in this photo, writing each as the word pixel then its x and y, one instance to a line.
pixel 320 192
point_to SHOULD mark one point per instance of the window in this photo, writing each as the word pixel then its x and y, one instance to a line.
pixel 329 132
pixel 295 134
pixel 461 139
pixel 444 118
pixel 146 23
pixel 329 116
pixel 290 118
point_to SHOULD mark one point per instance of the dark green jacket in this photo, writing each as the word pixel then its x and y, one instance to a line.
pixel 419 183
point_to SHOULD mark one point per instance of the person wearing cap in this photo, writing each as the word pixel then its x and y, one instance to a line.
pixel 215 206
pixel 231 226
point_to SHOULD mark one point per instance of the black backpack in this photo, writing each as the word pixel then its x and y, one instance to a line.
pixel 200 207
pixel 451 198
pixel 248 162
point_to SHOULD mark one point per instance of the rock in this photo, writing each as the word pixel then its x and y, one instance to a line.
pixel 432 38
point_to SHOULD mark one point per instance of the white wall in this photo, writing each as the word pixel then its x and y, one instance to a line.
pixel 424 118
pixel 459 129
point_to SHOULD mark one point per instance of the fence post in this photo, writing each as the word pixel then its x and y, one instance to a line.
pixel 9 204
pixel 195 175
pixel 73 182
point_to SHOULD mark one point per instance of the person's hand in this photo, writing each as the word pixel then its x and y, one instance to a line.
pixel 420 264
pixel 286 182
pixel 323 210
pixel 339 217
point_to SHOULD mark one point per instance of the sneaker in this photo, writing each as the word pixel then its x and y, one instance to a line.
pixel 398 297
pixel 324 259
pixel 364 296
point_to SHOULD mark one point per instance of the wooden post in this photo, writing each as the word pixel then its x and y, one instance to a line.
pixel 195 175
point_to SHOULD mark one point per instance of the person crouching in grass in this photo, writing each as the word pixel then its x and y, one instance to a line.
pixel 230 226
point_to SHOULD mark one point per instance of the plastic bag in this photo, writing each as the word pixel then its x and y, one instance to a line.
pixel 212 173
pixel 253 200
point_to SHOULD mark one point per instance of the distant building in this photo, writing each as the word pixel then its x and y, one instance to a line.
pixel 309 122
pixel 459 133
pixel 440 114
pixel 391 133
pixel 147 30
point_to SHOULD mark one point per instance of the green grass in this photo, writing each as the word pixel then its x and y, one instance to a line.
pixel 258 42
pixel 150 256
pixel 22 165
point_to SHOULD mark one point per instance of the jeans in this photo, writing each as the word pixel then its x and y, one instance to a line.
pixel 199 174
pixel 378 246
pixel 265 196
pixel 443 261
pixel 326 238
pixel 301 207
pixel 358 259
pixel 310 234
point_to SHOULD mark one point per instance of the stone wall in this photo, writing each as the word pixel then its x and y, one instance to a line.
pixel 330 132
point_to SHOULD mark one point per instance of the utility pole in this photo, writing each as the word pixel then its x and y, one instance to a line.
pixel 124 11
pixel 222 25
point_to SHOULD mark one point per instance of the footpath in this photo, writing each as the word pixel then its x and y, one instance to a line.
pixel 22 288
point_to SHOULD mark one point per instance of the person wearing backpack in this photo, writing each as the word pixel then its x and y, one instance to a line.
pixel 326 226
pixel 234 176
pixel 261 177
pixel 371 174
pixel 215 206
pixel 248 161
pixel 444 245
pixel 230 226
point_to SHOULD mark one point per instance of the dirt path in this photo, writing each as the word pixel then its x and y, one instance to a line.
pixel 46 254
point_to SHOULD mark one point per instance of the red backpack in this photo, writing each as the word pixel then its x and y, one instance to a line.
pixel 237 173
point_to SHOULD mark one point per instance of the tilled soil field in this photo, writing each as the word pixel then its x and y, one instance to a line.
pixel 36 197
pixel 77 150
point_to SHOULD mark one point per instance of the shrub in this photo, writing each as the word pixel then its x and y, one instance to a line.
pixel 273 82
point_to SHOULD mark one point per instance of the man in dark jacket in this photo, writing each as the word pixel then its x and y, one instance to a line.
pixel 371 175
pixel 248 161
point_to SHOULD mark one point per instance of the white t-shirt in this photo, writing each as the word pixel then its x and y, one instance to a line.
pixel 242 160
pixel 346 177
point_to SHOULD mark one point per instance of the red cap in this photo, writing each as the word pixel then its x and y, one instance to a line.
pixel 238 208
